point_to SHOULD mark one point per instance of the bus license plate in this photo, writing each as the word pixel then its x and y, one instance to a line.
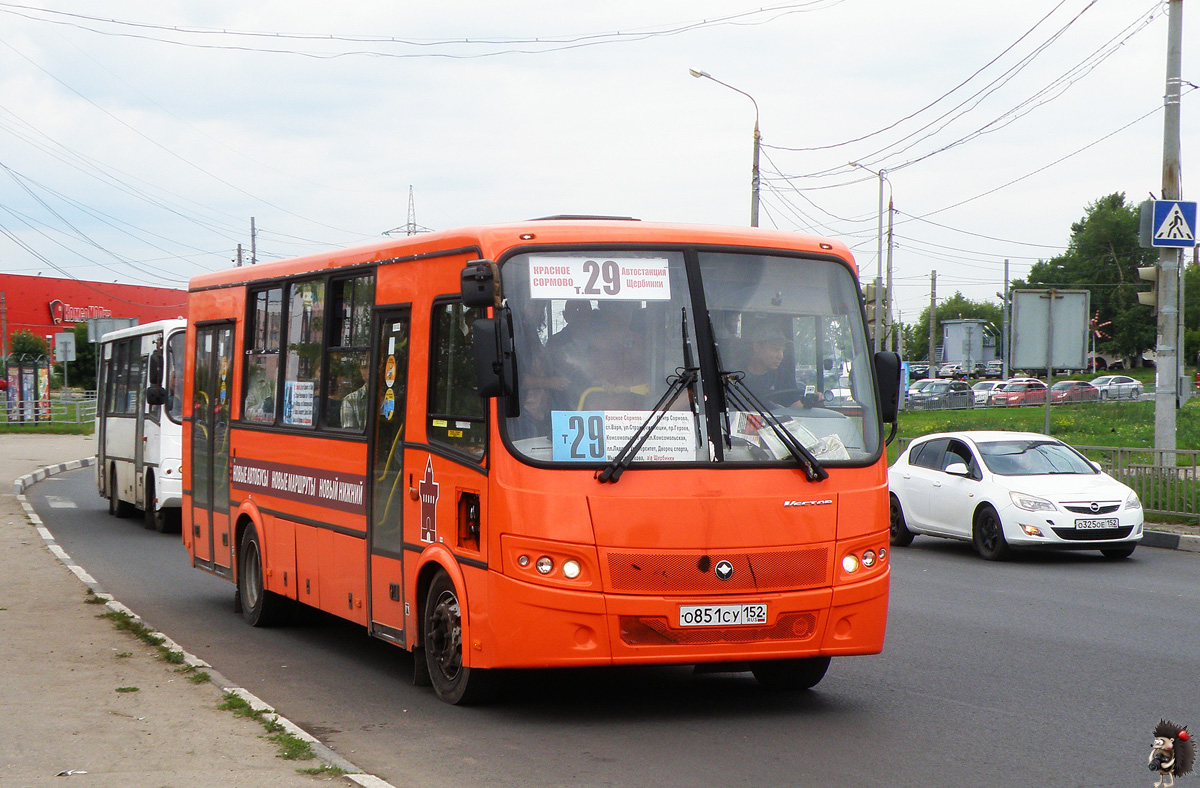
pixel 722 615
pixel 1108 522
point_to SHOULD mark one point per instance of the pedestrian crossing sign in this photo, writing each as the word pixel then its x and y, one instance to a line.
pixel 1174 223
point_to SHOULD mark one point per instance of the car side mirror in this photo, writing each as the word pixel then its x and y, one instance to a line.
pixel 958 469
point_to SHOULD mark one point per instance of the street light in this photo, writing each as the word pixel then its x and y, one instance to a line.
pixel 754 179
pixel 882 175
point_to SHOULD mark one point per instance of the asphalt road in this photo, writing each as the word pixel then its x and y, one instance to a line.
pixel 1049 669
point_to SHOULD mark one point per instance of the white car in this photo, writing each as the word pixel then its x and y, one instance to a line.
pixel 1003 490
pixel 1118 387
pixel 983 391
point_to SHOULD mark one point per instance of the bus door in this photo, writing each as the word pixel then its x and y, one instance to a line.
pixel 212 390
pixel 140 349
pixel 385 527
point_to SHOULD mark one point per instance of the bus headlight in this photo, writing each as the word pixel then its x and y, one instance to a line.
pixel 571 569
pixel 545 565
pixel 850 563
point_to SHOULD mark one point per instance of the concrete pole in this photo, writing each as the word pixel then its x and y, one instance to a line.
pixel 1006 330
pixel 887 310
pixel 754 173
pixel 1167 373
pixel 932 321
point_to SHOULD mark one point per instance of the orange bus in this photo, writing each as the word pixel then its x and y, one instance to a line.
pixel 565 442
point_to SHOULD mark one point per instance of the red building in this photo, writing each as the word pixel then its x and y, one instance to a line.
pixel 44 305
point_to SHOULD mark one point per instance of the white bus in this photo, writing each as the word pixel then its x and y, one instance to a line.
pixel 139 422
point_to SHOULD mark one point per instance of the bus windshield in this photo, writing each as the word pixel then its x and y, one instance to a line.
pixel 783 351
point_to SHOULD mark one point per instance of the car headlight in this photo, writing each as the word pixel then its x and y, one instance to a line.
pixel 1132 502
pixel 1031 503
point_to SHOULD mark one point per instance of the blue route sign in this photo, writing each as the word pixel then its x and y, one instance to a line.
pixel 1174 223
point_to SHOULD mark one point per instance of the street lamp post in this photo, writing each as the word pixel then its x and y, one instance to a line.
pixel 884 316
pixel 754 177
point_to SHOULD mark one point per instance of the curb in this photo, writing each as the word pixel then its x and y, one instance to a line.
pixel 322 751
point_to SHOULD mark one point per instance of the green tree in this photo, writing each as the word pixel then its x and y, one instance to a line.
pixel 26 346
pixel 1103 257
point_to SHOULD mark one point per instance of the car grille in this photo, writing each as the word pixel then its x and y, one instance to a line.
pixel 657 631
pixel 692 573
pixel 1086 508
pixel 1092 535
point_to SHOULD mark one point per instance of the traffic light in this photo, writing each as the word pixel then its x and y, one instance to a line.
pixel 1149 297
pixel 874 316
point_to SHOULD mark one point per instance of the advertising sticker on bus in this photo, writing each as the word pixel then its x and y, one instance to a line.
pixel 597 436
pixel 624 279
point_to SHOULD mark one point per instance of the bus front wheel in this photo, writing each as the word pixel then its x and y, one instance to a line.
pixel 161 520
pixel 453 681
pixel 260 607
pixel 790 674
pixel 116 507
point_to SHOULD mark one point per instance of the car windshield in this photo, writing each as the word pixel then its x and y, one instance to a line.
pixel 1063 385
pixel 593 361
pixel 1032 458
pixel 983 385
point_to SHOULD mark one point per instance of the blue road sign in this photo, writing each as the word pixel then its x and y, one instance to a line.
pixel 1174 223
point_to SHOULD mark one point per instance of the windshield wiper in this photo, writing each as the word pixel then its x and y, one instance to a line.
pixel 684 378
pixel 744 399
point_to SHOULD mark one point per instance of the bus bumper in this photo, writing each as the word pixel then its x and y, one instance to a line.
pixel 548 627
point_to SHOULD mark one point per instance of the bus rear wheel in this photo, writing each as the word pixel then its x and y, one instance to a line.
pixel 260 607
pixel 453 681
pixel 162 520
pixel 790 674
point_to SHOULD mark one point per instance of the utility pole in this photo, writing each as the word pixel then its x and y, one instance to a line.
pixel 253 242
pixel 1167 352
pixel 932 320
pixel 887 312
pixel 1007 329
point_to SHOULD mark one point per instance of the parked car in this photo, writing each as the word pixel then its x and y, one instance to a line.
pixel 983 391
pixel 1004 490
pixel 918 369
pixel 951 370
pixel 1020 391
pixel 941 394
pixel 993 369
pixel 1118 387
pixel 1073 391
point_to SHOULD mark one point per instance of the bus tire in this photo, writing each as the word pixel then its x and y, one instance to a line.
pixel 442 636
pixel 260 607
pixel 898 533
pixel 790 674
pixel 116 507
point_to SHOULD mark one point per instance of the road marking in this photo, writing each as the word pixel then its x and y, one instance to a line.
pixel 54 502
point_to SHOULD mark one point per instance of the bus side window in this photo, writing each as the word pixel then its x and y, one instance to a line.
pixel 349 357
pixel 305 343
pixel 456 411
pixel 259 403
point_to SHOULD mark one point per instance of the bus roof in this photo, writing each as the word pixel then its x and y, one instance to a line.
pixel 146 328
pixel 491 241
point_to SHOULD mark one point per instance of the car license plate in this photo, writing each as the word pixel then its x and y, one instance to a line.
pixel 722 615
pixel 1086 525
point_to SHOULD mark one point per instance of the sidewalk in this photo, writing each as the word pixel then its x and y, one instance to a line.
pixel 61 667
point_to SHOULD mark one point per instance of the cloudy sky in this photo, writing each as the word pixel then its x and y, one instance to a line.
pixel 137 139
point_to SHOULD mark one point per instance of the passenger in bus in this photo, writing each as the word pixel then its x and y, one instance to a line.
pixel 764 373
pixel 611 361
pixel 354 404
pixel 544 386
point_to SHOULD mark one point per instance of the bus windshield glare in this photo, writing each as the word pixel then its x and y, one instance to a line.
pixel 780 347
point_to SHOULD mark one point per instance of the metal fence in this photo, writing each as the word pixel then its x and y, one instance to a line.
pixel 1167 482
pixel 62 408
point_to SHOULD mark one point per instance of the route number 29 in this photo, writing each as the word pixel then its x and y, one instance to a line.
pixel 586 436
pixel 607 272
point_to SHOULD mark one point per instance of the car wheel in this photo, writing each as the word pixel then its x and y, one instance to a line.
pixel 260 607
pixel 988 535
pixel 1117 553
pixel 899 534
pixel 453 681
pixel 790 674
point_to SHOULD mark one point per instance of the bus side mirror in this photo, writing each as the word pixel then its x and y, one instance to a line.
pixel 480 284
pixel 495 362
pixel 887 381
pixel 155 393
